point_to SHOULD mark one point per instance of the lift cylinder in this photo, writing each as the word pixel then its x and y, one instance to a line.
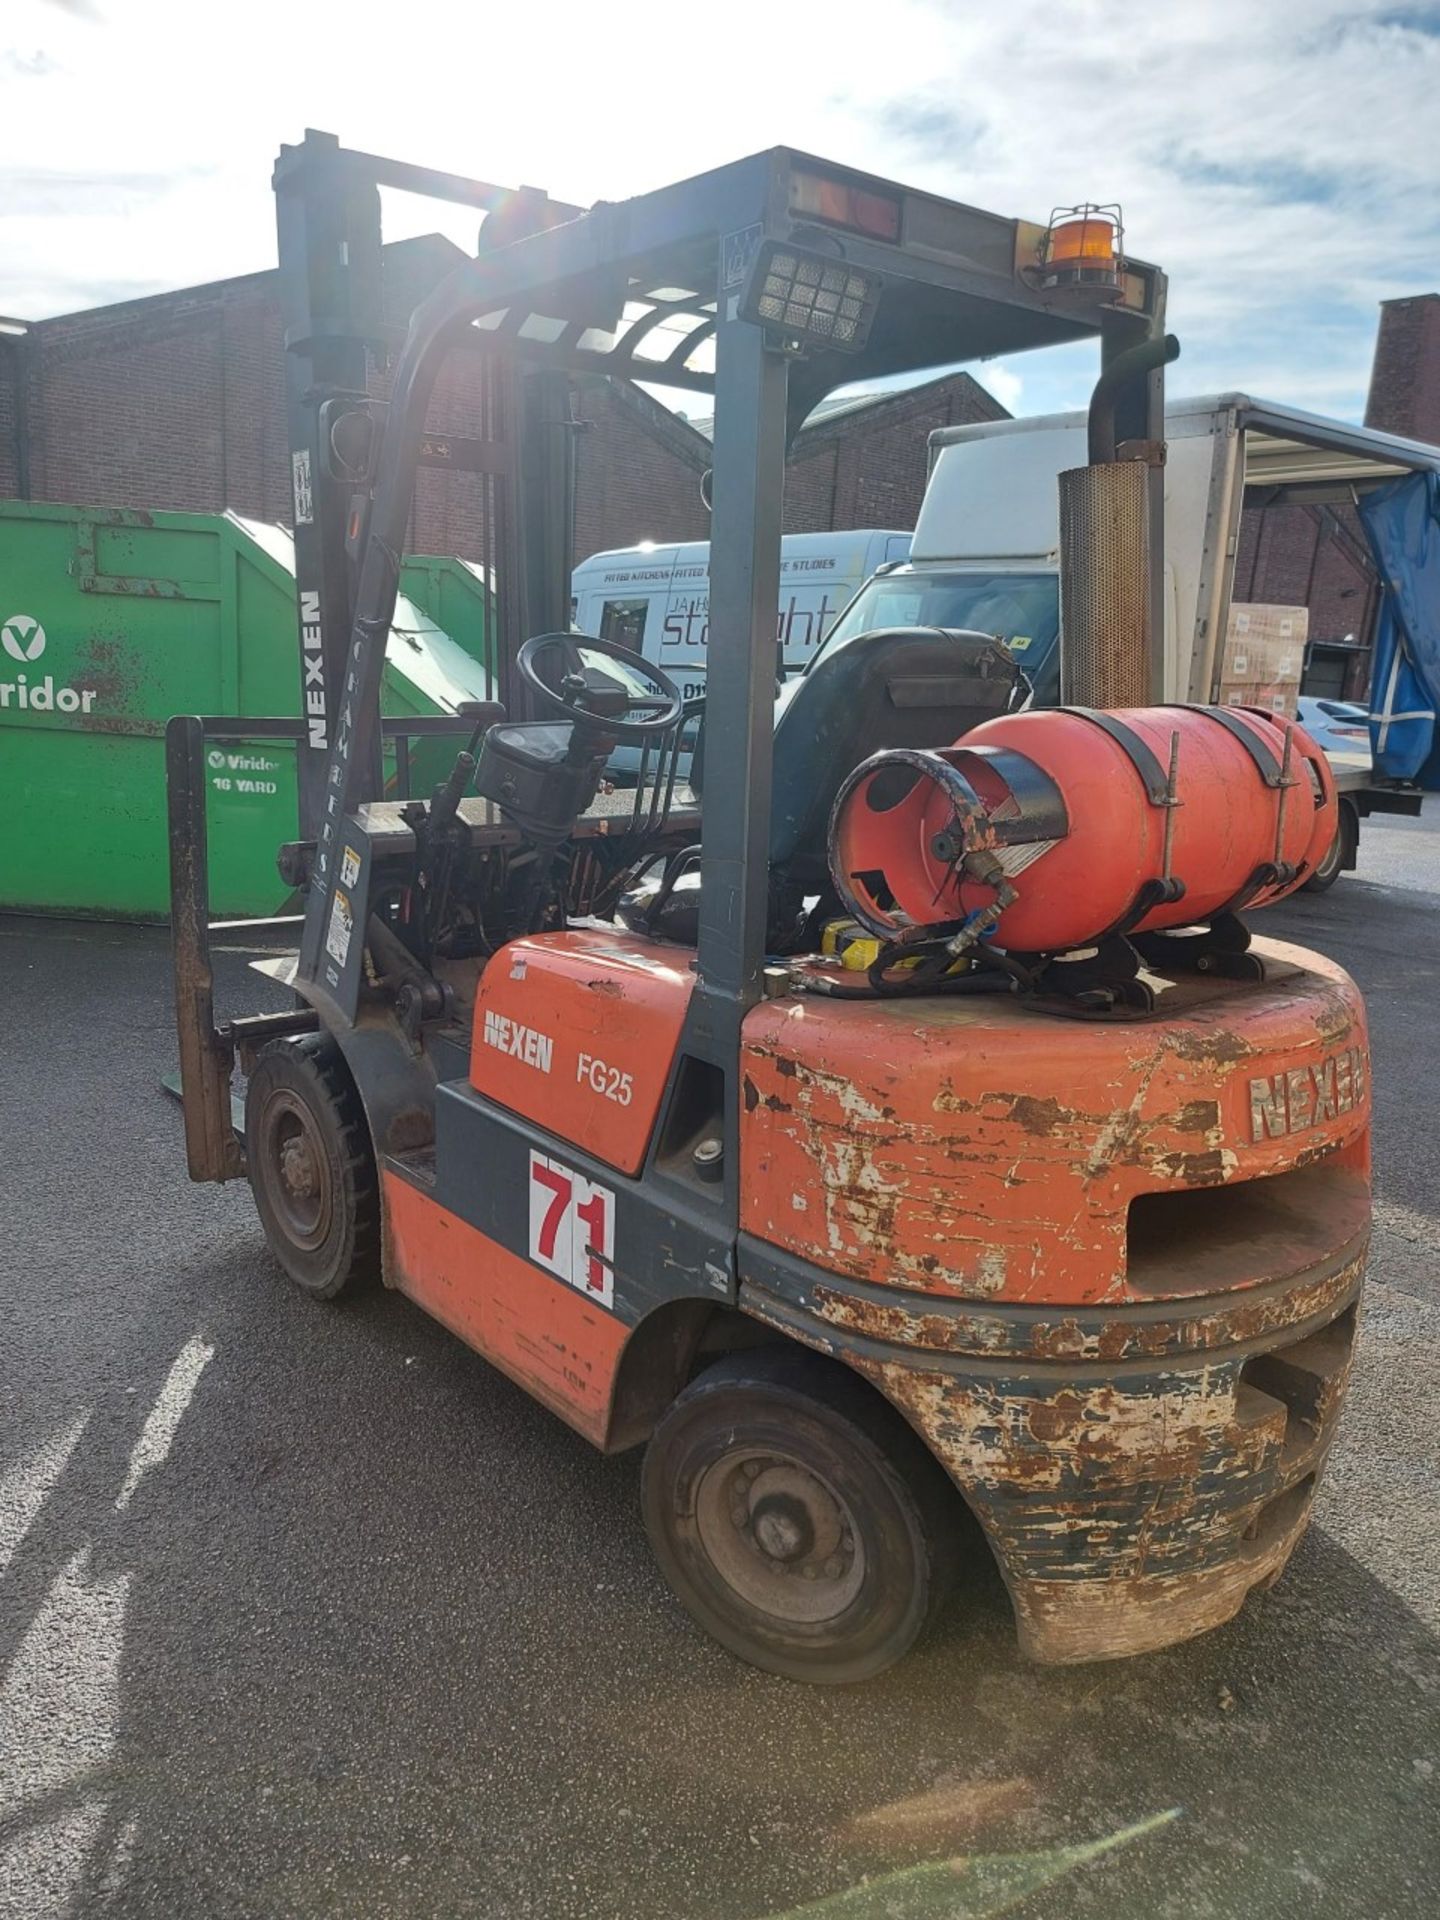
pixel 1126 821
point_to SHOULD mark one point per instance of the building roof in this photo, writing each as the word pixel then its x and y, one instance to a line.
pixel 429 253
pixel 842 406
pixel 681 436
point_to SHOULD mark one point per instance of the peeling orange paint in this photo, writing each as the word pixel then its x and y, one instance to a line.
pixel 925 1173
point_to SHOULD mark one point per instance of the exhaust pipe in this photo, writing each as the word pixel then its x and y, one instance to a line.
pixel 1106 552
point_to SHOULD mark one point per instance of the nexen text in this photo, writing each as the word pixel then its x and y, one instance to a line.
pixel 1304 1096
pixel 521 1043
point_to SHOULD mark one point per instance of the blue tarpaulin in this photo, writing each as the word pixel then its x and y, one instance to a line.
pixel 1402 521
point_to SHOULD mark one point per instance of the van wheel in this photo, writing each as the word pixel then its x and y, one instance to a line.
pixel 311 1168
pixel 797 1517
pixel 1341 853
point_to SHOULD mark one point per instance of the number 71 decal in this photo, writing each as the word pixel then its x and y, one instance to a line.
pixel 572 1229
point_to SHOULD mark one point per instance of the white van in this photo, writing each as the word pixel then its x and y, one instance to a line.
pixel 657 599
pixel 986 548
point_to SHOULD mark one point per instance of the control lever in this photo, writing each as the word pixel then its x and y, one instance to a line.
pixel 445 801
pixel 435 846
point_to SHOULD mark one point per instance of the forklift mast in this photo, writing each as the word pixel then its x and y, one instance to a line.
pixel 339 340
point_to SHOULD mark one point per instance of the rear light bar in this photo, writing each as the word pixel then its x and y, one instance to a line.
pixel 840 203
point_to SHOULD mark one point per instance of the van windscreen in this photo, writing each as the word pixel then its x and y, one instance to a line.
pixel 1022 609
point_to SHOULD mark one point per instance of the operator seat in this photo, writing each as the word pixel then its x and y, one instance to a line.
pixel 896 687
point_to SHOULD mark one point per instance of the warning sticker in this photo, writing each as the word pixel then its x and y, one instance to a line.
pixel 304 498
pixel 737 254
pixel 342 925
pixel 349 867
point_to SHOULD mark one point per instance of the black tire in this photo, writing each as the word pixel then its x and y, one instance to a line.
pixel 1340 856
pixel 311 1168
pixel 776 1461
pixel 1328 871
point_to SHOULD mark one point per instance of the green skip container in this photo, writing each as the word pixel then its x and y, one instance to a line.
pixel 113 620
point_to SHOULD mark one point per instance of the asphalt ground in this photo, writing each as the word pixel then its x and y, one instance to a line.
pixel 309 1612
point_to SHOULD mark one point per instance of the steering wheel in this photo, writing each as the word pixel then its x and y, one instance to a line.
pixel 582 693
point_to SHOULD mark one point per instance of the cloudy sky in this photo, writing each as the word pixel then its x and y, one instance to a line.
pixel 1276 156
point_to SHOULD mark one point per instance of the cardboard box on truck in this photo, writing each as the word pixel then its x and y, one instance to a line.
pixel 1264 655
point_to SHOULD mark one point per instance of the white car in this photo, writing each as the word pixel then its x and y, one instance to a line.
pixel 1341 730
pixel 1339 727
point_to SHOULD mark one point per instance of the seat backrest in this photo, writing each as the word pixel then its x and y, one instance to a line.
pixel 898 687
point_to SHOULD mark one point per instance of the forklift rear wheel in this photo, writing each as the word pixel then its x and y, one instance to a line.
pixel 797 1517
pixel 307 1151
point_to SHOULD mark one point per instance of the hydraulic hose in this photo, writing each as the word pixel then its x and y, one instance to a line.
pixel 833 989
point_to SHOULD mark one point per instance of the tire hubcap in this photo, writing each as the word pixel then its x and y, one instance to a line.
pixel 779 1537
pixel 298 1169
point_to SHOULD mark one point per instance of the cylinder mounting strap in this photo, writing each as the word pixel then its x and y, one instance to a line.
pixel 1144 761
pixel 1266 765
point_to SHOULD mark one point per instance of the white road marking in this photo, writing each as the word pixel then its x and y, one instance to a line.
pixel 26 1486
pixel 59 1697
pixel 48 1862
pixel 158 1434
pixel 59 1705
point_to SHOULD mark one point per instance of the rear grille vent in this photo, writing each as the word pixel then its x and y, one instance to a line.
pixel 1307 1378
pixel 1207 1239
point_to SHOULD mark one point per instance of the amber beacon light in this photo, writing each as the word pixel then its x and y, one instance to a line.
pixel 1083 247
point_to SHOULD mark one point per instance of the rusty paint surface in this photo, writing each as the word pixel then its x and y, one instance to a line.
pixel 971 1149
pixel 1137 1467
pixel 1199 1325
pixel 1068 1622
pixel 549 1339
pixel 212 1150
pixel 1131 1509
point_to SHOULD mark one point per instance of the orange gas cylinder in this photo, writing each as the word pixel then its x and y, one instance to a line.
pixel 1061 826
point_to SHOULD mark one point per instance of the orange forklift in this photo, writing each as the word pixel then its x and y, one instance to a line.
pixel 878 1110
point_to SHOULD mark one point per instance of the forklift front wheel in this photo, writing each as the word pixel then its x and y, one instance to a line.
pixel 307 1151
pixel 796 1516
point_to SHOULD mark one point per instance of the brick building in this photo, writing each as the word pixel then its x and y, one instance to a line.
pixel 860 461
pixel 1315 557
pixel 178 401
pixel 638 469
pixel 1318 556
pixel 1405 373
